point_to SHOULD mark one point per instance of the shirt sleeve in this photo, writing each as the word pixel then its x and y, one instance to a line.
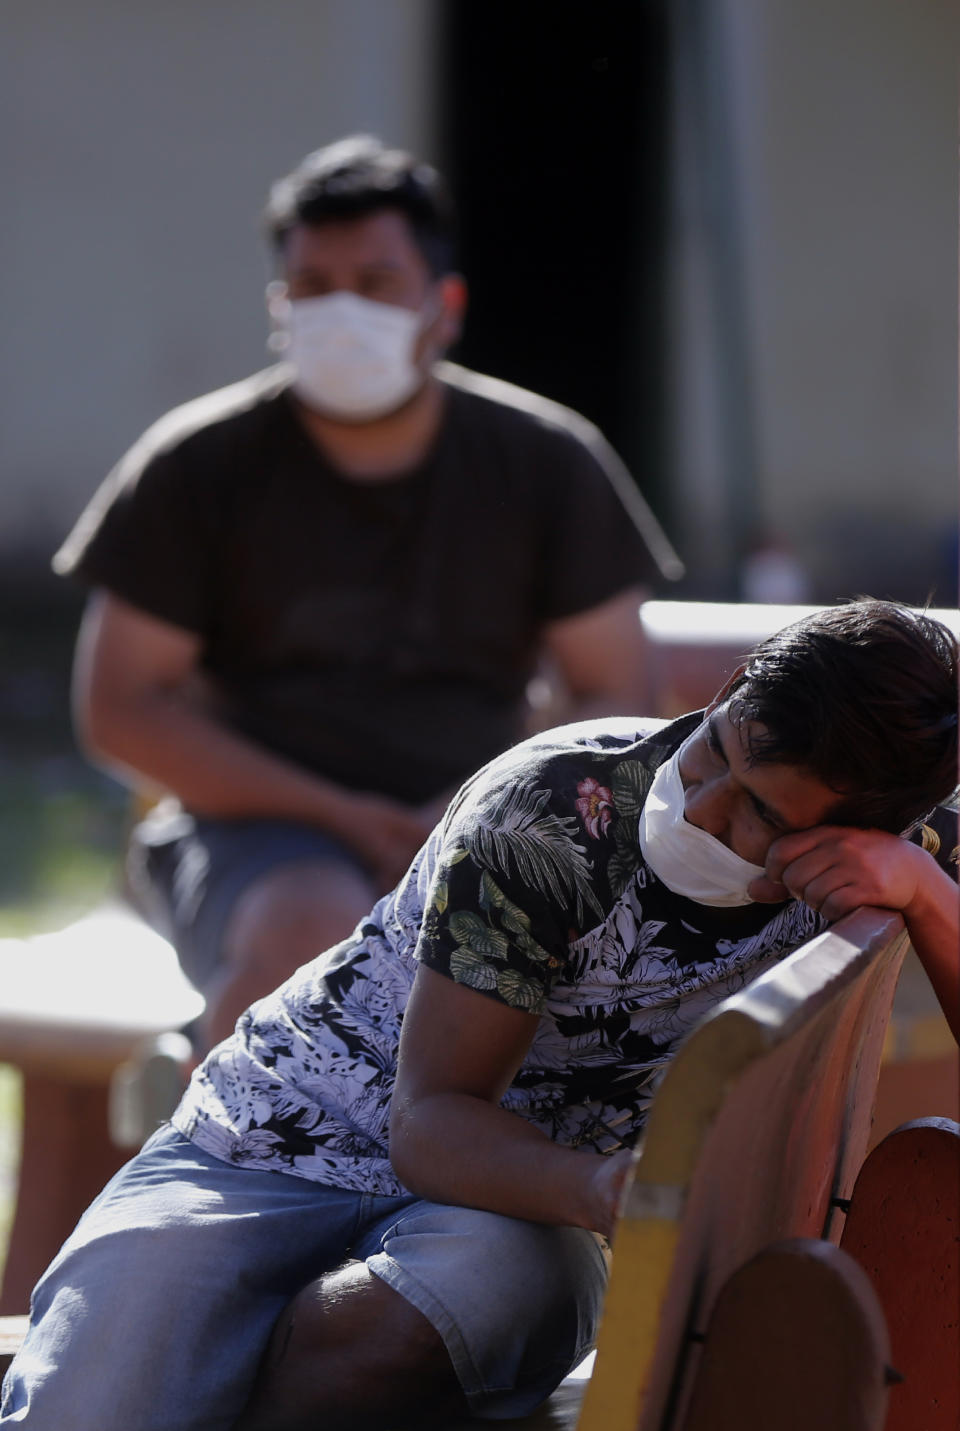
pixel 146 536
pixel 939 835
pixel 602 536
pixel 513 879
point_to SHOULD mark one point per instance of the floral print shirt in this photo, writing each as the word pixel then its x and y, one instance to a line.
pixel 533 892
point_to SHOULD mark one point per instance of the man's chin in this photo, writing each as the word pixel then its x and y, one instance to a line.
pixel 329 412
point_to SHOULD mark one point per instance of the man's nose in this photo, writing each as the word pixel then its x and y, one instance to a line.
pixel 707 806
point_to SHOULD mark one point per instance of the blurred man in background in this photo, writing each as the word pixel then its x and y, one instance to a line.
pixel 320 594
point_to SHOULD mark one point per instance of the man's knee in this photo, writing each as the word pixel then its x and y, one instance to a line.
pixel 349 1351
pixel 295 913
pixel 548 1276
pixel 517 1302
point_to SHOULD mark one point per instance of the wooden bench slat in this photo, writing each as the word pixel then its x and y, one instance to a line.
pixel 903 1227
pixel 796 1341
pixel 761 1120
pixel 12 1331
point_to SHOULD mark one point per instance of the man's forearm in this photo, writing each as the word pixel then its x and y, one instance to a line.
pixel 933 922
pixel 454 1148
pixel 166 739
pixel 210 768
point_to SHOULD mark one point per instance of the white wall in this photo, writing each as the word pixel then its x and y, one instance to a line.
pixel 137 143
pixel 844 127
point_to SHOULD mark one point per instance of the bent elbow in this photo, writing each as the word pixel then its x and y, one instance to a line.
pixel 403 1143
pixel 95 728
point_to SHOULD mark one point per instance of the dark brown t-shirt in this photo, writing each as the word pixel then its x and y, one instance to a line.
pixel 381 634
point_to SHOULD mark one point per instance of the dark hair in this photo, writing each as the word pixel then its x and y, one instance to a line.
pixel 864 696
pixel 357 176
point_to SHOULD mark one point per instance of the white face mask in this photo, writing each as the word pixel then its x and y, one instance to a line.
pixel 352 357
pixel 686 858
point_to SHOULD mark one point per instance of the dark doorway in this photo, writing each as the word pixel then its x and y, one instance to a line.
pixel 554 129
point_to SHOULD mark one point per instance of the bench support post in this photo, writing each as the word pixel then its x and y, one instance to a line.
pixel 66 1157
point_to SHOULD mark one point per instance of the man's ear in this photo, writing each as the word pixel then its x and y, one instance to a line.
pixel 726 688
pixel 277 309
pixel 453 297
pixel 275 295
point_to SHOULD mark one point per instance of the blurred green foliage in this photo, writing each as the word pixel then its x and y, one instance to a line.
pixel 60 838
pixel 61 821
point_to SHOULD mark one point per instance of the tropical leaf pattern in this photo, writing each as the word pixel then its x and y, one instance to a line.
pixel 516 834
pixel 533 893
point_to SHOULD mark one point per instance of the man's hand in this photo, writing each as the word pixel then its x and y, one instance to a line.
pixel 385 834
pixel 142 706
pixel 609 1181
pixel 835 869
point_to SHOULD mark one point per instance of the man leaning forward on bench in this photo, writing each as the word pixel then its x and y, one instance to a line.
pixel 346 1226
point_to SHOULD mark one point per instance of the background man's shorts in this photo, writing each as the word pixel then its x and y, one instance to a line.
pixel 187 873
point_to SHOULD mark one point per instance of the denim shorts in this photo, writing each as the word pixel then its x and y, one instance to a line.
pixel 186 873
pixel 156 1312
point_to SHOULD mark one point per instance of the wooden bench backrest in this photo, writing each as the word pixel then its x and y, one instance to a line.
pixel 761 1122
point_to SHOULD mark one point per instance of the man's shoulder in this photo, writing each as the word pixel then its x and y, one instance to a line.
pixel 494 397
pixel 240 405
pixel 556 759
pixel 556 454
pixel 606 733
